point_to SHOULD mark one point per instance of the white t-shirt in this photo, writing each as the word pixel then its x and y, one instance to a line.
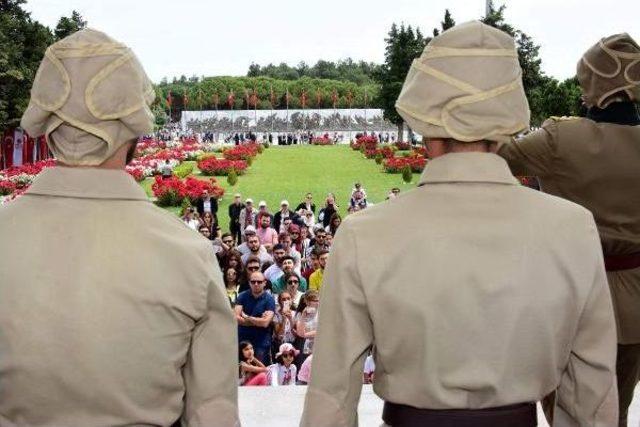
pixel 192 224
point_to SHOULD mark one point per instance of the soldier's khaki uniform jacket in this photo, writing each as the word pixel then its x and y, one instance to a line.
pixel 596 165
pixel 476 292
pixel 111 311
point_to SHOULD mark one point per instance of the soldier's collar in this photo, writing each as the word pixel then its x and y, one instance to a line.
pixel 467 167
pixel 86 183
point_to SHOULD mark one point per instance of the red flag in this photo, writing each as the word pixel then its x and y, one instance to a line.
pixel 231 99
pixel 349 98
pixel 272 96
pixel 334 98
pixel 318 98
pixel 303 98
pixel 254 98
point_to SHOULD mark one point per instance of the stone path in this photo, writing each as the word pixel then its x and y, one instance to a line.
pixel 282 407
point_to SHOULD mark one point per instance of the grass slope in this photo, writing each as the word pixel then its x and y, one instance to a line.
pixel 290 172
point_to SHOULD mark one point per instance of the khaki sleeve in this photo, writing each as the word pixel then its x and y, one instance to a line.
pixel 587 395
pixel 533 154
pixel 210 374
pixel 345 333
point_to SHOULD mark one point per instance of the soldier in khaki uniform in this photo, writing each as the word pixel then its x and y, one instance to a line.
pixel 490 296
pixel 595 161
pixel 112 312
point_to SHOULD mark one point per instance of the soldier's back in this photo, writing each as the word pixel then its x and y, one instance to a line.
pixel 99 295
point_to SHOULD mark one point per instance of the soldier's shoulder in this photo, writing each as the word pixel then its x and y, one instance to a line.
pixel 555 208
pixel 563 121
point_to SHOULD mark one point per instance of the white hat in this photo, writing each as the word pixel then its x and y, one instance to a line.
pixel 249 201
pixel 284 202
pixel 262 204
pixel 250 228
pixel 287 348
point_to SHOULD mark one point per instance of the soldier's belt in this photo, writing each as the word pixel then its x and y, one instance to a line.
pixel 621 262
pixel 521 415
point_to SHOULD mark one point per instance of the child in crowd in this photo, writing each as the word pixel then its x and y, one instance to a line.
pixel 369 370
pixel 252 371
pixel 283 372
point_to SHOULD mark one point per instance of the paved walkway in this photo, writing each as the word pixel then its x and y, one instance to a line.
pixel 282 407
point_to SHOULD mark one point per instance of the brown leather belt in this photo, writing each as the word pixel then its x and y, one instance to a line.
pixel 519 415
pixel 621 262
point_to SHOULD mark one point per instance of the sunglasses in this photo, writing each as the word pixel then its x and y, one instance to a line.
pixel 286 299
pixel 253 268
pixel 256 282
pixel 291 282
pixel 227 242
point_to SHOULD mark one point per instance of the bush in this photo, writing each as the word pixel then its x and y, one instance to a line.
pixel 183 170
pixel 249 161
pixel 221 167
pixel 379 158
pixel 407 176
pixel 232 178
pixel 206 156
pixel 261 147
pixel 265 145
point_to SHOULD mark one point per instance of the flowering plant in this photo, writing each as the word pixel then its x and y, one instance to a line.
pixel 396 164
pixel 241 152
pixel 169 191
pixel 402 145
pixel 218 167
pixel 322 141
pixel 195 188
pixel 365 143
pixel 138 173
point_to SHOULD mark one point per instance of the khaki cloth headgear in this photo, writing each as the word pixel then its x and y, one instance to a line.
pixel 609 70
pixel 89 97
pixel 466 85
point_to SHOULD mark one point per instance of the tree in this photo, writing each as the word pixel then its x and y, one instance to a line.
pixel 528 55
pixel 22 45
pixel 448 21
pixel 69 25
pixel 403 46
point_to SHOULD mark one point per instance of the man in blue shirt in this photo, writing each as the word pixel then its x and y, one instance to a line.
pixel 254 312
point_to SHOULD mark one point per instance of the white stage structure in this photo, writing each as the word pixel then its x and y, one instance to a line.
pixel 278 121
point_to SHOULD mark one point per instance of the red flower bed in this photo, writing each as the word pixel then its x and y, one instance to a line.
pixel 322 141
pixel 386 152
pixel 396 164
pixel 172 191
pixel 195 188
pixel 7 187
pixel 368 142
pixel 221 167
pixel 420 151
pixel 241 152
pixel 136 173
pixel 169 191
pixel 29 168
pixel 402 145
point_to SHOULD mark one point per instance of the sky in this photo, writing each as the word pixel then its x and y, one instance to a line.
pixel 208 38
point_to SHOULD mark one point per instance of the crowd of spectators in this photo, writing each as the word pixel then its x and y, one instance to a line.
pixel 273 265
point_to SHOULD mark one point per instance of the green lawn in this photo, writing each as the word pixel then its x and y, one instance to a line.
pixel 290 172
